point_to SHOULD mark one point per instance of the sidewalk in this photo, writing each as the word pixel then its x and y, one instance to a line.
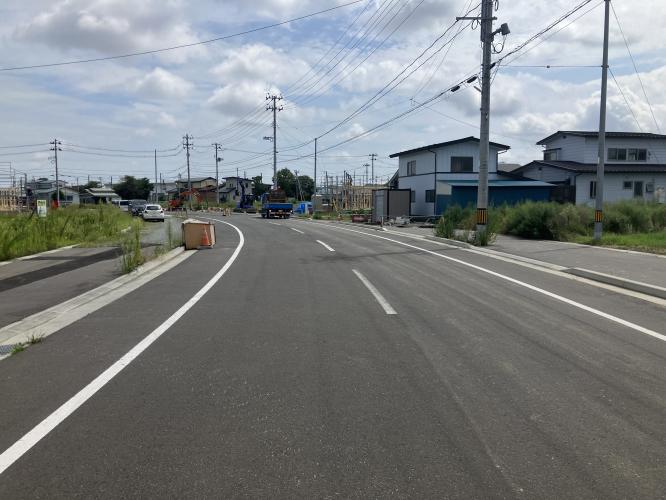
pixel 638 271
pixel 33 283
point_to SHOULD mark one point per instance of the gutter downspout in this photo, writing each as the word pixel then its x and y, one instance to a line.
pixel 434 208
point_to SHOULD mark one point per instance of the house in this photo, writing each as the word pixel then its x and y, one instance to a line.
pixel 635 166
pixel 447 173
pixel 205 188
pixel 236 189
pixel 98 196
pixel 45 189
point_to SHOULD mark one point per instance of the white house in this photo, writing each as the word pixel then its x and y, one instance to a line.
pixel 447 173
pixel 635 166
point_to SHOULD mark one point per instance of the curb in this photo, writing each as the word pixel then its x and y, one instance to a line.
pixel 55 318
pixel 636 286
pixel 35 255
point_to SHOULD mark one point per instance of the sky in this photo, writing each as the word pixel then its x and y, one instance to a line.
pixel 111 115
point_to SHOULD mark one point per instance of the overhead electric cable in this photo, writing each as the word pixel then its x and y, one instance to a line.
pixel 182 46
pixel 631 56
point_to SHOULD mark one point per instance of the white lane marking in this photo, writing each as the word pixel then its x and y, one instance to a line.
pixel 41 430
pixel 274 223
pixel 552 295
pixel 325 246
pixel 378 296
pixel 297 230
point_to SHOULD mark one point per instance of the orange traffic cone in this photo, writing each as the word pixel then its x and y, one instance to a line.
pixel 205 239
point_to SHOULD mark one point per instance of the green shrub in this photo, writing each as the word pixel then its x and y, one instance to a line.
pixel 635 216
pixel 535 220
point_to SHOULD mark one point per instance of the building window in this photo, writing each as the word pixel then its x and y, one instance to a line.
pixel 550 155
pixel 638 189
pixel 430 196
pixel 412 196
pixel 649 187
pixel 462 164
pixel 411 167
pixel 624 154
pixel 593 190
pixel 627 185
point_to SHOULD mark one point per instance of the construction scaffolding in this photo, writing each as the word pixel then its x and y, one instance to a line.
pixel 10 199
pixel 349 195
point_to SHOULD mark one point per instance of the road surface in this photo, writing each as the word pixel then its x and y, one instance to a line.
pixel 304 360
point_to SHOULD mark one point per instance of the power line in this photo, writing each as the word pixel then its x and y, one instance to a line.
pixel 24 146
pixel 182 46
pixel 383 91
pixel 626 43
pixel 625 99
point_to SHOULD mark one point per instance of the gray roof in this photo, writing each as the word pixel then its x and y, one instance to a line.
pixel 595 134
pixel 102 192
pixel 574 166
pixel 501 147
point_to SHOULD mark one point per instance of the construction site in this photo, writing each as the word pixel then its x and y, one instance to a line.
pixel 344 195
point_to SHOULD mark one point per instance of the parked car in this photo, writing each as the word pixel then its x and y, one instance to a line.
pixel 153 212
pixel 122 204
pixel 136 207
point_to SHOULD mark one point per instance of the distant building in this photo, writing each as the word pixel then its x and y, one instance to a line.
pixel 205 187
pixel 635 166
pixel 45 189
pixel 99 196
pixel 447 173
pixel 235 188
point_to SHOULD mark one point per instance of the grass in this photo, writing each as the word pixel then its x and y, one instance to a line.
pixel 130 245
pixel 18 348
pixel 627 224
pixel 24 234
pixel 644 242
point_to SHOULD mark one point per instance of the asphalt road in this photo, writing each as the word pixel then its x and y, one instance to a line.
pixel 289 379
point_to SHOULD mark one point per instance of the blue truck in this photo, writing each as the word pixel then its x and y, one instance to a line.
pixel 274 204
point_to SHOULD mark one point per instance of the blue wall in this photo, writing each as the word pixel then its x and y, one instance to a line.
pixel 466 195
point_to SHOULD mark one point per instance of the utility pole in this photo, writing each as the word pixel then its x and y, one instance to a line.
pixel 315 176
pixel 187 144
pixel 487 37
pixel 599 198
pixel 366 165
pixel 217 147
pixel 298 183
pixel 373 157
pixel 155 194
pixel 274 108
pixel 56 147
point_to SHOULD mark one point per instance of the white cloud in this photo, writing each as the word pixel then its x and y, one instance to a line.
pixel 161 84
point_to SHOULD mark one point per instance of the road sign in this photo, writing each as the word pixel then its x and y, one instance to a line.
pixel 41 208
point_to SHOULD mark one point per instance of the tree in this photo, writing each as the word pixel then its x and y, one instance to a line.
pixel 132 188
pixel 287 181
pixel 307 186
pixel 259 187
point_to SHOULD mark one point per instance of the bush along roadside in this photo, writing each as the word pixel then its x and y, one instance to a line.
pixel 632 224
pixel 26 234
pixel 130 246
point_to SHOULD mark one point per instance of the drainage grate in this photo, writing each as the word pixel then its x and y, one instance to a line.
pixel 6 349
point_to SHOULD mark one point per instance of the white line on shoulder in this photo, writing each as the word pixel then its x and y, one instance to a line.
pixel 18 449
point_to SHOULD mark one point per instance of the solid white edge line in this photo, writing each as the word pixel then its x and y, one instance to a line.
pixel 297 230
pixel 375 293
pixel 327 247
pixel 552 295
pixel 32 437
